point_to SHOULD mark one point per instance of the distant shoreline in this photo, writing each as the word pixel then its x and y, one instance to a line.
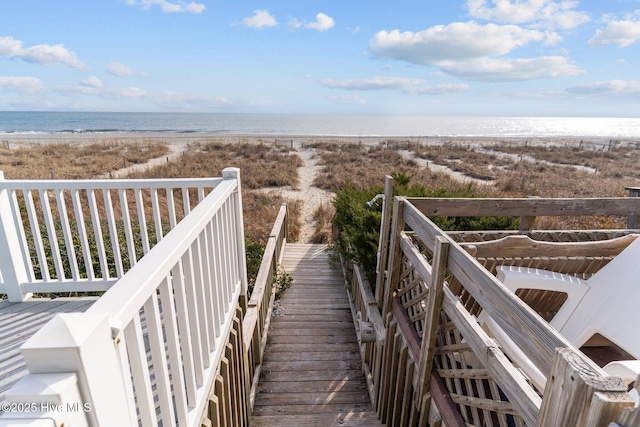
pixel 183 139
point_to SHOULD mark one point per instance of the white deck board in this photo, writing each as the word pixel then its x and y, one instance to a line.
pixel 19 321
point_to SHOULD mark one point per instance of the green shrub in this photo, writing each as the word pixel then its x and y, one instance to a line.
pixel 358 226
pixel 254 252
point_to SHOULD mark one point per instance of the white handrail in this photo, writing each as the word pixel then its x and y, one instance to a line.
pixel 99 184
pixel 60 229
pixel 127 296
pixel 178 301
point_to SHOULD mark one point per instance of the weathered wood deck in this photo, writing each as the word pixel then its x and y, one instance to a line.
pixel 19 321
pixel 311 371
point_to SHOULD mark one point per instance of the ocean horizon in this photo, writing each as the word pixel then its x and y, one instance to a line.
pixel 15 122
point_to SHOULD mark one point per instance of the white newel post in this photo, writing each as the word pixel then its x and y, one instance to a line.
pixel 234 173
pixel 12 267
pixel 46 397
pixel 82 344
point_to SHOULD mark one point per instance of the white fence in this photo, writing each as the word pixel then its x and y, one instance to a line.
pixel 147 352
pixel 74 236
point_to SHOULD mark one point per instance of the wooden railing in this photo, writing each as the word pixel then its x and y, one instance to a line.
pixel 431 361
pixel 75 236
pixel 164 345
pixel 258 317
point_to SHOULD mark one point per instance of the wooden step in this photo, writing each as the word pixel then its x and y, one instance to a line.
pixel 353 418
pixel 312 371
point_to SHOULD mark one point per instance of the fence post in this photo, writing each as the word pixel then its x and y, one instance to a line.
pixel 395 255
pixel 234 173
pixel 12 263
pixel 632 220
pixel 432 318
pixel 578 394
pixel 82 343
pixel 383 244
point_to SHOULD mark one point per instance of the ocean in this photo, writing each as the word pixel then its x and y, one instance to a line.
pixel 321 125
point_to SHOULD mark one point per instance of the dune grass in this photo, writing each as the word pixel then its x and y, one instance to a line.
pixel 261 166
pixel 76 160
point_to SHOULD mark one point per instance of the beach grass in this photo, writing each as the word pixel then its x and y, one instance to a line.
pixel 76 160
pixel 262 166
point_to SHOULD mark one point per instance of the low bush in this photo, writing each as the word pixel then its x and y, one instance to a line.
pixel 358 225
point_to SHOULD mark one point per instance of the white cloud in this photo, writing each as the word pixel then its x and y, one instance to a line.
pixel 166 99
pixel 28 85
pixel 260 19
pixel 40 54
pixel 470 50
pixel 170 99
pixel 621 33
pixel 323 22
pixel 169 7
pixel 295 23
pixel 347 99
pixel 407 85
pixel 111 93
pixel 456 41
pixel 536 13
pixel 610 87
pixel 372 83
pixel 496 70
pixel 9 47
pixel 92 81
pixel 118 69
pixel 437 89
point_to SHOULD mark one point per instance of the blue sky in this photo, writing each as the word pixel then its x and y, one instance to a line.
pixel 474 57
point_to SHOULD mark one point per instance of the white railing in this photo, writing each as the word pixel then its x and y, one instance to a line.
pixel 75 236
pixel 148 351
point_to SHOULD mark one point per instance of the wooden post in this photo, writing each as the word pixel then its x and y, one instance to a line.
pixel 631 417
pixel 12 262
pixel 579 394
pixel 632 220
pixel 395 255
pixel 527 222
pixel 432 319
pixel 383 244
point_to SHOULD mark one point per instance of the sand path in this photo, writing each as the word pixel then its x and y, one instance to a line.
pixel 311 197
pixel 426 163
pixel 176 151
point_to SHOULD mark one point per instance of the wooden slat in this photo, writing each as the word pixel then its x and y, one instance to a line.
pixel 526 328
pixel 439 391
pixel 511 381
pixel 311 364
pixel 525 247
pixel 527 206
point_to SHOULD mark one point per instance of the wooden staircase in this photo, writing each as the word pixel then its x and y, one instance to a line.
pixel 311 374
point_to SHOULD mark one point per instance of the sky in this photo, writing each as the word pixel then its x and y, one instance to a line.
pixel 411 57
